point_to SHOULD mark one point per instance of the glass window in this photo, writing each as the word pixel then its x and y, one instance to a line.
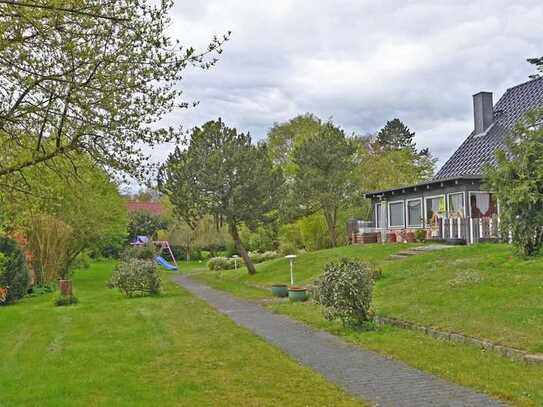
pixel 435 207
pixel 396 214
pixel 483 205
pixel 456 205
pixel 414 213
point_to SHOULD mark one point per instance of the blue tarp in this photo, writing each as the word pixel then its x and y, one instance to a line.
pixel 162 261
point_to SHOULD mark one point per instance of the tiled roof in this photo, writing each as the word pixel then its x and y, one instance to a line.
pixel 152 207
pixel 478 150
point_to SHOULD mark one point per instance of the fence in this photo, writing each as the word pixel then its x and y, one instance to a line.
pixel 472 230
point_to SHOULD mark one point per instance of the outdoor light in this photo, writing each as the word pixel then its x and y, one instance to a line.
pixel 291 258
pixel 235 257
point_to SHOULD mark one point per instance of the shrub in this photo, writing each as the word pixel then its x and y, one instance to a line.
pixel 286 248
pixel 420 235
pixel 49 243
pixel 64 300
pixel 13 272
pixel 231 249
pixel 225 263
pixel 145 252
pixel 345 291
pixel 222 263
pixel 136 277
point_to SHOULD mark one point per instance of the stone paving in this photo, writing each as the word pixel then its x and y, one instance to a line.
pixel 367 375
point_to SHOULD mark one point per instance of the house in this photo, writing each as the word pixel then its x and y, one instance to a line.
pixel 454 205
pixel 154 208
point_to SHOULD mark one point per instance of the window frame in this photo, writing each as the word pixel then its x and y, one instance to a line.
pixel 377 209
pixel 444 196
pixel 390 225
pixel 406 220
pixel 463 200
pixel 483 192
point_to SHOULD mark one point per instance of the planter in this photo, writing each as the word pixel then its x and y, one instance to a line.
pixel 297 294
pixel 279 290
pixel 391 237
pixel 410 237
pixel 65 287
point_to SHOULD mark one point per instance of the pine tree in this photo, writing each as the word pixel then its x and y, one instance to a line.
pixel 395 136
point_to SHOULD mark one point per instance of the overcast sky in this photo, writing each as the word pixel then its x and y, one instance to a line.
pixel 358 62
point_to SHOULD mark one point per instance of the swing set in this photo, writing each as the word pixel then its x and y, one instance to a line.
pixel 164 246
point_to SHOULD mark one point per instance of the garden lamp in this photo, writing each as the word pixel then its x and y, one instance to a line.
pixel 291 258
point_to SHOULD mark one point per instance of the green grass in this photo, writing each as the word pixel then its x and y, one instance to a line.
pixel 307 267
pixel 483 291
pixel 515 382
pixel 167 350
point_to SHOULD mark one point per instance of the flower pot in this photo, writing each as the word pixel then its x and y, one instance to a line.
pixel 297 294
pixel 410 237
pixel 391 237
pixel 279 290
pixel 65 287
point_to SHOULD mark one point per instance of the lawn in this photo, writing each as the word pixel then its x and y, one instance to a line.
pixel 307 268
pixel 167 350
pixel 482 291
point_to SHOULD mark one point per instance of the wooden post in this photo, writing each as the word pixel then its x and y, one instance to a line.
pixel 459 225
pixel 471 237
pixel 481 228
pixel 451 224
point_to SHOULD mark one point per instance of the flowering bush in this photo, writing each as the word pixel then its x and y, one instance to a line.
pixel 226 263
pixel 345 291
pixel 136 277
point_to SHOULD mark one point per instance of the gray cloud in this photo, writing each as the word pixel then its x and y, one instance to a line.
pixel 360 62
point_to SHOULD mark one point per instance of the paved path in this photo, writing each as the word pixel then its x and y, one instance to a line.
pixel 367 375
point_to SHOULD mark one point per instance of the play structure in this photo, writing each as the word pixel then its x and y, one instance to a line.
pixel 164 246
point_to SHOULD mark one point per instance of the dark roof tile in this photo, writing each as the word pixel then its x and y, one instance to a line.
pixel 478 150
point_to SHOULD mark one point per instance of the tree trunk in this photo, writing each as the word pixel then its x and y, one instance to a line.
pixel 65 287
pixel 331 220
pixel 235 235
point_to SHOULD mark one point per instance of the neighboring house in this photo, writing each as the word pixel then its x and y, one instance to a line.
pixel 453 204
pixel 154 208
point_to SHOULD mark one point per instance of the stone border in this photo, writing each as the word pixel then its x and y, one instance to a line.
pixel 505 351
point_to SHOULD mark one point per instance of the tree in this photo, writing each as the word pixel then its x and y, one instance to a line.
pixel 89 203
pixel 538 62
pixel 395 136
pixel 517 180
pixel 284 137
pixel 94 76
pixel 143 223
pixel 324 164
pixel 377 169
pixel 223 175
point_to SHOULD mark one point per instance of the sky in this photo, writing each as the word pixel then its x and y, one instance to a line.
pixel 359 63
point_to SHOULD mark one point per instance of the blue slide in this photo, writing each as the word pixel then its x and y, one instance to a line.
pixel 162 261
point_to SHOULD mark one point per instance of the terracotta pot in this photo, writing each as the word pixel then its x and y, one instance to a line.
pixel 391 237
pixel 65 287
pixel 410 237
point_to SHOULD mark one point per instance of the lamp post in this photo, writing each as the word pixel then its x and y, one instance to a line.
pixel 235 257
pixel 291 258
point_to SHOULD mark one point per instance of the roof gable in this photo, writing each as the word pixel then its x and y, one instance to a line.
pixel 478 150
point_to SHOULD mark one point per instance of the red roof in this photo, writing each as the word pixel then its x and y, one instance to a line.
pixel 152 207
